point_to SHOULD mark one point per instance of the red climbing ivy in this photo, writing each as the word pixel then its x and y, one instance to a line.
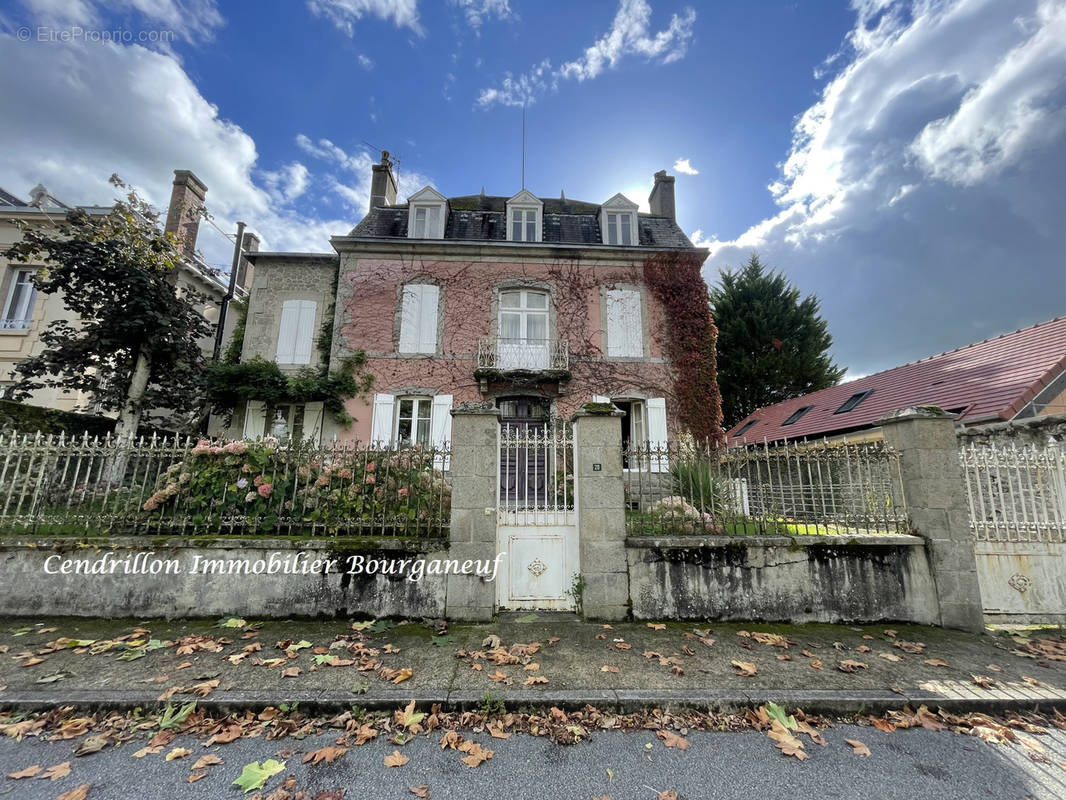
pixel 674 278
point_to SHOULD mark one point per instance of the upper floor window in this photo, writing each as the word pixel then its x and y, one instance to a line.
pixel 618 221
pixel 296 334
pixel 427 210
pixel 524 218
pixel 18 309
pixel 523 339
pixel 418 318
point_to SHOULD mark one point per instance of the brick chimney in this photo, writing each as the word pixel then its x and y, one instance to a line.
pixel 382 183
pixel 661 198
pixel 183 215
pixel 245 270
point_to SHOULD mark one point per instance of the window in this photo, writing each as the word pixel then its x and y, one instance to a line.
pixel 411 420
pixel 524 217
pixel 625 329
pixel 618 221
pixel 18 310
pixel 418 318
pixel 523 334
pixel 426 214
pixel 796 415
pixel 747 427
pixel 853 401
pixel 296 333
pixel 643 429
pixel 288 422
pixel 619 228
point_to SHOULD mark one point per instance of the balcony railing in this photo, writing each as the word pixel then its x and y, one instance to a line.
pixel 525 355
pixel 14 324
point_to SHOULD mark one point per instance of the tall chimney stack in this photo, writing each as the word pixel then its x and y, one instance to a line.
pixel 661 198
pixel 183 215
pixel 382 183
pixel 245 272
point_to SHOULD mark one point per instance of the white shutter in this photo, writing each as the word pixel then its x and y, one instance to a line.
pixel 254 419
pixel 625 331
pixel 440 427
pixel 381 422
pixel 657 432
pixel 305 332
pixel 427 318
pixel 290 320
pixel 313 422
pixel 410 318
pixel 433 226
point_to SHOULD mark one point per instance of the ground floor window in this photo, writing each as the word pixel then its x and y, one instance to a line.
pixel 290 422
pixel 408 419
pixel 413 418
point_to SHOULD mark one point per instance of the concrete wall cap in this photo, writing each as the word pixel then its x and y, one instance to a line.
pixel 916 412
pixel 476 407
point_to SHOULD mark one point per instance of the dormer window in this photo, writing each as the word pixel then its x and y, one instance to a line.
pixel 618 221
pixel 427 210
pixel 525 214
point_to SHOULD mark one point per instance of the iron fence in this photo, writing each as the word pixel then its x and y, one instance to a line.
pixel 820 488
pixel 62 485
pixel 1015 494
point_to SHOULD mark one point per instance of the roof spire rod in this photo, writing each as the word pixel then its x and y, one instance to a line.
pixel 523 144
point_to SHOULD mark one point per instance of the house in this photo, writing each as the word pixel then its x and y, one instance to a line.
pixel 1015 376
pixel 25 313
pixel 535 304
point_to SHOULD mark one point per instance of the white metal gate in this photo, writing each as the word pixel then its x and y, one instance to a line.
pixel 537 517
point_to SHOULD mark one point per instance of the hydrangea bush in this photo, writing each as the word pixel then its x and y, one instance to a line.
pixel 264 485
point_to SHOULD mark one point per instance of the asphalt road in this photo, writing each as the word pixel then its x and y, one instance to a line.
pixel 906 764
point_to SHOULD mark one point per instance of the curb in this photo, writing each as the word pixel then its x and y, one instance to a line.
pixel 622 701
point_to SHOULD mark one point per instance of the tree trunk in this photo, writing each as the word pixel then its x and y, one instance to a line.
pixel 129 418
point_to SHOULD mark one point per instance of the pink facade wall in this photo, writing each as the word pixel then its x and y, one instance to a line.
pixel 369 295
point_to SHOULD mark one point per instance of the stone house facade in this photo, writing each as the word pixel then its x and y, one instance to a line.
pixel 537 305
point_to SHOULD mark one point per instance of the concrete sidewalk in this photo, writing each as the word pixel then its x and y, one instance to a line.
pixel 539 660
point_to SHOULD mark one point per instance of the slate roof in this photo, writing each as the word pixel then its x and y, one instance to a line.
pixel 7 199
pixel 990 380
pixel 481 218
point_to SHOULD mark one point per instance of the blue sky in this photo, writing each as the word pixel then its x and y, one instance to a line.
pixel 904 161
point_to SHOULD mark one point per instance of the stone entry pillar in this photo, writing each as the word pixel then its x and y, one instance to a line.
pixel 935 491
pixel 475 456
pixel 601 512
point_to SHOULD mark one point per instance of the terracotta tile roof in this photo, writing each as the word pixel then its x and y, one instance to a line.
pixel 993 379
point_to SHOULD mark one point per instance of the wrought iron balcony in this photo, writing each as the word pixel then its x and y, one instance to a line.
pixel 15 324
pixel 535 360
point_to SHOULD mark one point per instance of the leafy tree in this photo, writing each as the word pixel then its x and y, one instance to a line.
pixel 772 345
pixel 132 338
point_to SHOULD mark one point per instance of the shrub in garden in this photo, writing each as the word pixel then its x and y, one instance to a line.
pixel 265 484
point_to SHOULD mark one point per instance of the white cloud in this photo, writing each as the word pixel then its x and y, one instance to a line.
pixel 359 163
pixel 683 166
pixel 346 13
pixel 699 240
pixel 365 61
pixel 135 112
pixel 478 11
pixel 193 20
pixel 921 198
pixel 629 36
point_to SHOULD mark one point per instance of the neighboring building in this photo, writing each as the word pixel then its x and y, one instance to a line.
pixel 25 313
pixel 1015 376
pixel 535 304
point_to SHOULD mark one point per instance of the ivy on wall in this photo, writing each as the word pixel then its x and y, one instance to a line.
pixel 674 278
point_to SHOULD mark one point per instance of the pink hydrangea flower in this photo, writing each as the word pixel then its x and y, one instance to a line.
pixel 235 448
pixel 265 490
pixel 370 479
pixel 259 480
pixel 371 466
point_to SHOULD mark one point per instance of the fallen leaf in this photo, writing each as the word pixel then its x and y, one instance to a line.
pixel 93 744
pixel 815 663
pixel 419 791
pixel 32 662
pixel 54 773
pixel 983 681
pixel 606 668
pixel 858 748
pixel 657 626
pixel 890 656
pixel 75 794
pixel 497 732
pixel 910 647
pixel 667 795
pixel 148 751
pixel 534 680
pixel 176 753
pixel 745 668
pixel 397 759
pixel 195 776
pixel 850 665
pixel 623 645
pixel 788 744
pixel 882 724
pixel 671 739
pixel 365 734
pixel 255 775
pixel 327 754
pixel 210 760
pixel 531 667
pixel 290 672
pixel 403 675
pixel 29 772
pixel 936 662
pixel 492 641
pixel 476 754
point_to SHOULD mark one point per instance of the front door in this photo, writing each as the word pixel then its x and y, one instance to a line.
pixel 536 517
